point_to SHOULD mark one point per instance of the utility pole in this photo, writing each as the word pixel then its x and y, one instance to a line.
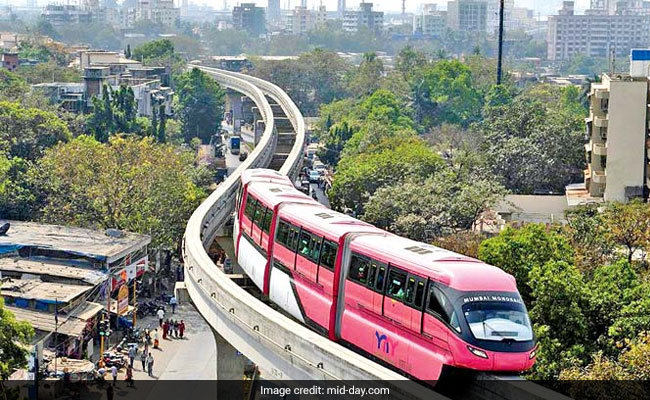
pixel 403 7
pixel 56 333
pixel 500 59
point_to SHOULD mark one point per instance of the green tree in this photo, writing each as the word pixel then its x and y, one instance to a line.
pixel 12 86
pixel 518 251
pixel 48 72
pixel 15 336
pixel 628 225
pixel 367 77
pixel 201 105
pixel 129 183
pixel 161 134
pixel 17 197
pixel 27 132
pixel 152 50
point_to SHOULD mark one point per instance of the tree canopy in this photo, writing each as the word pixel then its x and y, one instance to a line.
pixel 201 102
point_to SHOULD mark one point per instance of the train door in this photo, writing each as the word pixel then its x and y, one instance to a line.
pixel 249 214
pixel 308 255
pixel 394 306
pixel 256 232
pixel 415 298
pixel 376 280
pixel 438 317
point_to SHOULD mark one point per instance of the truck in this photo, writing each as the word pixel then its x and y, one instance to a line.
pixel 235 144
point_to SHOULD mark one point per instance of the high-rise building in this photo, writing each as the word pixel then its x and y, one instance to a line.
pixel 363 18
pixel 617 137
pixel 248 17
pixel 467 15
pixel 301 21
pixel 160 12
pixel 597 33
pixel 493 9
pixel 429 21
pixel 341 8
pixel 303 3
pixel 274 11
pixel 321 16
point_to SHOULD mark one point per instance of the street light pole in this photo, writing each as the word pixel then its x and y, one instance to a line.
pixel 500 59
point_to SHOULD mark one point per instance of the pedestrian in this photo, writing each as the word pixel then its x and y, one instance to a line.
pixel 173 302
pixel 150 364
pixel 165 328
pixel 156 343
pixel 114 374
pixel 143 360
pixel 176 329
pixel 146 344
pixel 181 328
pixel 131 355
pixel 161 315
pixel 129 375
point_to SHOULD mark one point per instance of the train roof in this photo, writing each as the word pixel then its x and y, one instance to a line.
pixel 453 269
pixel 324 221
pixel 264 175
pixel 274 193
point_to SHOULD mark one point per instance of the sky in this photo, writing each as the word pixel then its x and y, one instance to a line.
pixel 543 6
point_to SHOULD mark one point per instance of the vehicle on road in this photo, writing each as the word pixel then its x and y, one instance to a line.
pixel 235 144
pixel 314 176
pixel 321 168
pixel 243 156
pixel 417 308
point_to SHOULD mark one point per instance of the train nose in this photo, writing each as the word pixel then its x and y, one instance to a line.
pixel 511 362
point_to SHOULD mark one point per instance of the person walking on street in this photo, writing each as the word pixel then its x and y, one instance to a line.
pixel 161 315
pixel 143 360
pixel 114 374
pixel 131 355
pixel 150 364
pixel 165 328
pixel 181 328
pixel 156 343
pixel 176 329
pixel 173 302
pixel 129 375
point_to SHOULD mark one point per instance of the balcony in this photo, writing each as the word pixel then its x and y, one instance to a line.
pixel 599 177
pixel 601 122
pixel 599 149
pixel 601 94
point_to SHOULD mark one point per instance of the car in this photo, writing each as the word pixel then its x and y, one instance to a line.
pixel 314 176
pixel 243 156
pixel 321 168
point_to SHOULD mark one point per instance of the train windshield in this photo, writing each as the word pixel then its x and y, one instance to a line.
pixel 498 321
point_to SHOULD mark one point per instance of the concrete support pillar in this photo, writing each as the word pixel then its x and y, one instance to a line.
pixel 234 104
pixel 247 110
pixel 260 126
pixel 230 370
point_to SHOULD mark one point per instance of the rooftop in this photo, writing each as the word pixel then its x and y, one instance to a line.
pixel 80 241
pixel 37 267
pixel 71 325
pixel 33 289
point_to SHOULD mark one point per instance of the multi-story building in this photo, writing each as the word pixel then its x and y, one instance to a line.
pixel 493 9
pixel 340 8
pixel 248 17
pixel 598 32
pixel 321 16
pixel 301 21
pixel 430 21
pixel 274 11
pixel 10 61
pixel 467 15
pixel 62 15
pixel 363 18
pixel 617 135
pixel 160 12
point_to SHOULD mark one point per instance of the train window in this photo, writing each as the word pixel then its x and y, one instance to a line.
pixel 410 290
pixel 359 267
pixel 283 233
pixel 249 211
pixel 303 246
pixel 381 275
pixel 396 284
pixel 314 248
pixel 294 235
pixel 419 295
pixel 259 214
pixel 266 223
pixel 328 258
pixel 240 192
pixel 440 306
pixel 371 275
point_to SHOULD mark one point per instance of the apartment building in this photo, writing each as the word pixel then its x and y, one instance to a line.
pixel 467 15
pixel 430 21
pixel 248 17
pixel 363 18
pixel 301 21
pixel 273 11
pixel 341 8
pixel 599 31
pixel 160 12
pixel 617 134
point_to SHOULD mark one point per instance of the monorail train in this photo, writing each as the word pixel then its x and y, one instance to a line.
pixel 413 306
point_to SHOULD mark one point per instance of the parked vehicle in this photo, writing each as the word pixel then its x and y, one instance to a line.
pixel 314 176
pixel 243 156
pixel 234 144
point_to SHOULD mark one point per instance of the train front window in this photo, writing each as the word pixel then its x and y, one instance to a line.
pixel 498 320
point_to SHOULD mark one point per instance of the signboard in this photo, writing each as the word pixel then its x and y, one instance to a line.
pixel 131 271
pixel 122 300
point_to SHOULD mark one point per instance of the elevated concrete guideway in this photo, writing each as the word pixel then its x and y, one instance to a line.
pixel 284 348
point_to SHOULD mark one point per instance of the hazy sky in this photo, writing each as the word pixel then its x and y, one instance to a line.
pixel 544 6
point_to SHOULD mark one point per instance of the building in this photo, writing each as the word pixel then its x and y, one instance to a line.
pixel 248 17
pixel 617 137
pixel 160 12
pixel 599 32
pixel 467 15
pixel 493 10
pixel 301 21
pixel 274 10
pixel 430 21
pixel 321 16
pixel 340 8
pixel 70 272
pixel 363 18
pixel 10 61
pixel 60 15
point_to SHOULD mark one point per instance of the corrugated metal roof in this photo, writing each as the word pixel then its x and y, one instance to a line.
pixel 35 267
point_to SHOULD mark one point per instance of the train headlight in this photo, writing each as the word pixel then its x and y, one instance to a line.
pixel 477 352
pixel 532 353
